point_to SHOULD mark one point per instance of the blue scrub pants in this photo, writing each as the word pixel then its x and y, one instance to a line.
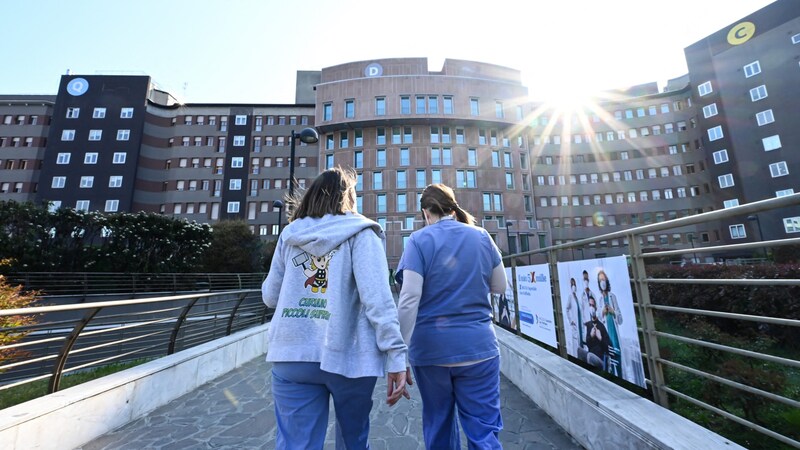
pixel 474 391
pixel 302 391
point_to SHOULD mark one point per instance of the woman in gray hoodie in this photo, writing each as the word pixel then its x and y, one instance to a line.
pixel 335 327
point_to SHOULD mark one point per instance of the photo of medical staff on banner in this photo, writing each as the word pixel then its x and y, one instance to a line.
pixel 599 321
pixel 535 303
pixel 503 306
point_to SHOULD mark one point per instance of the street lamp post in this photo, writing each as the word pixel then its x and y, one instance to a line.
pixel 754 217
pixel 279 204
pixel 306 136
pixel 691 241
pixel 509 224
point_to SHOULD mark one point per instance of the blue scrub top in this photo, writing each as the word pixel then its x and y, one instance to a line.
pixel 454 319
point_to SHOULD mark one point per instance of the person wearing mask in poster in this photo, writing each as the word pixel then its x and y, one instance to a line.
pixel 335 328
pixel 575 320
pixel 586 292
pixel 595 352
pixel 449 268
pixel 611 316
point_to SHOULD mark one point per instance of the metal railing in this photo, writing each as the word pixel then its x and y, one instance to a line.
pixel 76 337
pixel 88 284
pixel 658 343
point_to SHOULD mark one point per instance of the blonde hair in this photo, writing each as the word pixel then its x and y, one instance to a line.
pixel 440 200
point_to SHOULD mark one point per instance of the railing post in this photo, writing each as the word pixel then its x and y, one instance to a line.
pixel 239 277
pixel 642 289
pixel 233 314
pixel 516 297
pixel 61 360
pixel 182 318
pixel 552 262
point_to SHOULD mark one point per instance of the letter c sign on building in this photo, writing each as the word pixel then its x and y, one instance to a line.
pixel 741 33
pixel 373 70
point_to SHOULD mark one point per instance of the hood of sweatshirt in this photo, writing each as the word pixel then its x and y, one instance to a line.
pixel 319 235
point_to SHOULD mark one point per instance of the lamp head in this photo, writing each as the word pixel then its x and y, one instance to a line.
pixel 277 204
pixel 308 136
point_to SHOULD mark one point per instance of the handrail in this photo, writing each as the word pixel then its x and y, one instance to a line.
pixel 119 330
pixel 650 315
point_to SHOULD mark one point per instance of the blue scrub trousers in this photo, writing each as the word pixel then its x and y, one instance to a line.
pixel 302 391
pixel 473 391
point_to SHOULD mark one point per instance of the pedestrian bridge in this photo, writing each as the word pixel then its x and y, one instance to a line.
pixel 217 395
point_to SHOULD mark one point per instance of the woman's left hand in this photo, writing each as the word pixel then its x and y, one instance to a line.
pixel 396 387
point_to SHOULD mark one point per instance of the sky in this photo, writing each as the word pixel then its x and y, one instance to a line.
pixel 248 51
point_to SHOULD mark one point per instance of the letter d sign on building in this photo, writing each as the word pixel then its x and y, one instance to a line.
pixel 373 70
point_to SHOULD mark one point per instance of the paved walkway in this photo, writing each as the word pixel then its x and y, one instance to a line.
pixel 235 411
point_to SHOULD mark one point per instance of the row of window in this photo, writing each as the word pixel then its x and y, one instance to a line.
pixel 255 163
pixel 611 135
pixel 615 156
pixel 86 182
pixel 20 120
pixel 84 205
pixel 610 220
pixel 98 113
pixel 625 175
pixel 8 141
pixel 417 104
pixel 642 111
pixel 621 197
pixel 258 121
pixel 95 135
pixel 405 135
pixel 91 158
pixel 19 164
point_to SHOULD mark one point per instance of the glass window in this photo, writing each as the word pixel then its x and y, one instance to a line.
pixel 405 104
pixel 474 107
pixel 784 192
pixel 472 157
pixel 737 231
pixel 327 111
pixel 405 158
pixel 771 143
pixel 358 160
pixel 765 117
pixel 498 110
pixel 240 119
pixel 380 136
pixel 754 68
pixel 349 109
pixel 421 179
pixel 99 113
pixel 402 180
pixel 758 93
pixel 778 169
pixel 380 157
pixel 710 110
pixel 123 135
pixel 63 158
pixel 725 181
pixel 90 158
pixel 377 180
pixel 359 138
pixel 715 133
pixel 433 104
pixel 119 158
pixel 380 203
pixel 704 89
pixel 730 203
pixel 448 104
pixel 72 113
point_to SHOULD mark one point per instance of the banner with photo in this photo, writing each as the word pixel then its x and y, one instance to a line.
pixel 600 325
pixel 505 312
pixel 535 299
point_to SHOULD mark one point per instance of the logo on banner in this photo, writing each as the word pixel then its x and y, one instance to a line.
pixel 77 86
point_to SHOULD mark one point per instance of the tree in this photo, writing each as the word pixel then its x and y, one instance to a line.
pixel 12 297
pixel 234 248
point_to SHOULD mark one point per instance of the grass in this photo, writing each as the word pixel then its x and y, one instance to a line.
pixel 29 391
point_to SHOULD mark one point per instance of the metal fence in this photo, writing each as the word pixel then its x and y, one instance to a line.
pixel 663 366
pixel 86 285
pixel 75 337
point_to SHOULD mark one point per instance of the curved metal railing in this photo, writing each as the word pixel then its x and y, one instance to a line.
pixel 75 337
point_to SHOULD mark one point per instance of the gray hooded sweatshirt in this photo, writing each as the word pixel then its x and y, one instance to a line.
pixel 329 283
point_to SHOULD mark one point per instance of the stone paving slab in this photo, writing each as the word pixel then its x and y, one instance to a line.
pixel 235 411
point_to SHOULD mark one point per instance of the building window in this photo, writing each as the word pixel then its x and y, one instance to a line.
pixel 380 157
pixel 754 68
pixel 240 120
pixel 115 181
pixel 710 110
pixel 377 180
pixel 99 113
pixel 380 203
pixel 238 141
pixel 123 135
pixel 725 181
pixel 791 224
pixel 237 162
pixel 235 184
pixel 758 93
pixel 233 207
pixel 380 106
pixel 90 158
pixel 63 158
pixel 327 111
pixel 405 104
pixel 349 109
pixel 474 107
pixel 119 158
pixel 778 169
pixel 358 160
pixel 328 161
pixel 433 104
pixel 126 113
pixel 402 181
pixel 796 39
pixel 498 110
pixel 737 231
pixel 721 156
pixel 421 178
pixel 704 89
pixel 448 104
pixel 730 203
pixel 771 143
pixel 765 117
pixel 358 138
pixel 715 133
pixel 405 158
pixel 58 182
pixel 784 192
pixel 112 205
pixel 68 135
pixel 72 113
pixel 82 205
pixel 402 203
pixel 87 182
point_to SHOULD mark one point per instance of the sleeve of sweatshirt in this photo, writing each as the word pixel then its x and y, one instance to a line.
pixel 370 271
pixel 271 287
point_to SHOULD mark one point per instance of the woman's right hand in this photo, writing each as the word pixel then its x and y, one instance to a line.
pixel 396 386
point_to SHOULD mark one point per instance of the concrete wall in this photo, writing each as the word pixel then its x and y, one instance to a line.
pixel 596 412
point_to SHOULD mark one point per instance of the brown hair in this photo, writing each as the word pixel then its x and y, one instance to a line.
pixel 440 200
pixel 332 192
